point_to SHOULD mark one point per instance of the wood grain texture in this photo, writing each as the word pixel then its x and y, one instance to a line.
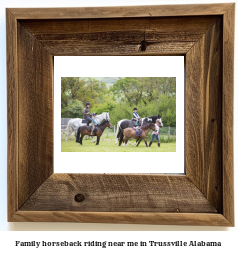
pixel 227 113
pixel 178 25
pixel 203 144
pixel 121 11
pixel 12 114
pixel 119 36
pixel 72 48
pixel 35 114
pixel 114 193
pixel 192 219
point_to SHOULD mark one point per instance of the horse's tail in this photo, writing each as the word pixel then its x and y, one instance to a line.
pixel 118 127
pixel 78 135
pixel 68 126
pixel 121 137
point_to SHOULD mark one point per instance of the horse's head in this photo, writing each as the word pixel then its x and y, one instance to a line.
pixel 103 117
pixel 108 124
pixel 107 118
pixel 160 122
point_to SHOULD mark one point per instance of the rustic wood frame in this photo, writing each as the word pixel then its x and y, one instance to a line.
pixel 204 34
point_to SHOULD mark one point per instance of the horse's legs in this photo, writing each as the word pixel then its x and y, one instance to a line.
pixel 81 139
pixel 118 136
pixel 98 139
pixel 136 142
pixel 125 144
pixel 139 141
pixel 68 135
pixel 145 142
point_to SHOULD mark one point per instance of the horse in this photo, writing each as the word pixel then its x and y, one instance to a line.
pixel 98 131
pixel 160 126
pixel 131 133
pixel 125 123
pixel 75 123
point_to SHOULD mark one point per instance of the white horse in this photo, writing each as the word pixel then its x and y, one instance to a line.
pixel 75 123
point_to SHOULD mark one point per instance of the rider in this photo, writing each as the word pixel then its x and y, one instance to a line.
pixel 136 118
pixel 86 113
pixel 155 133
pixel 94 122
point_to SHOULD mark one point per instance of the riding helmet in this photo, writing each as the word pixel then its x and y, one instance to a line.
pixel 87 104
pixel 94 114
pixel 135 109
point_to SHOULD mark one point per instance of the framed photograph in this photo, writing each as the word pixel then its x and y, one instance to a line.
pixel 157 102
pixel 119 191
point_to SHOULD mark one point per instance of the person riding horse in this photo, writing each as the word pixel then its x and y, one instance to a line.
pixel 136 118
pixel 86 113
pixel 94 122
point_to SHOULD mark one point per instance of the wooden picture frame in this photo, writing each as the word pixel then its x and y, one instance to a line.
pixel 204 34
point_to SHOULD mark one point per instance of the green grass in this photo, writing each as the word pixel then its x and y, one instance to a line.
pixel 108 145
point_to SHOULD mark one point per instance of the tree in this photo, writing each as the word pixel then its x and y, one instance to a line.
pixel 77 88
pixel 128 89
pixel 74 110
pixel 145 89
pixel 64 90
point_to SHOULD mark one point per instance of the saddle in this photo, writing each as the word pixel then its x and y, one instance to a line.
pixel 86 121
pixel 95 129
pixel 137 122
pixel 138 131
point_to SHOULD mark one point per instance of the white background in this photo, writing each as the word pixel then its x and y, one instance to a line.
pixel 7 238
pixel 119 66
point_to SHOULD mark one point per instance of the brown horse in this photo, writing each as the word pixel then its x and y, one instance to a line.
pixel 131 133
pixel 98 131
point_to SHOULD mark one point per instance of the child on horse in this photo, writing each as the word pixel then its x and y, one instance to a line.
pixel 136 118
pixel 94 122
pixel 155 133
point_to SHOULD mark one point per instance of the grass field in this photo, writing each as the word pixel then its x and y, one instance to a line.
pixel 108 145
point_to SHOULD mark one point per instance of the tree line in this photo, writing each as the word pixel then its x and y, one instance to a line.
pixel 151 96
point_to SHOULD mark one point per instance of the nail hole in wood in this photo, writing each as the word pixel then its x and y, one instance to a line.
pixel 213 120
pixel 79 198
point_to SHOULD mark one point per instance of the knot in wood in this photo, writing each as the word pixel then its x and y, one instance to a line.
pixel 79 198
pixel 143 45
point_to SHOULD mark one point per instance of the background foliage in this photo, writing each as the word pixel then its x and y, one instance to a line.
pixel 118 96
